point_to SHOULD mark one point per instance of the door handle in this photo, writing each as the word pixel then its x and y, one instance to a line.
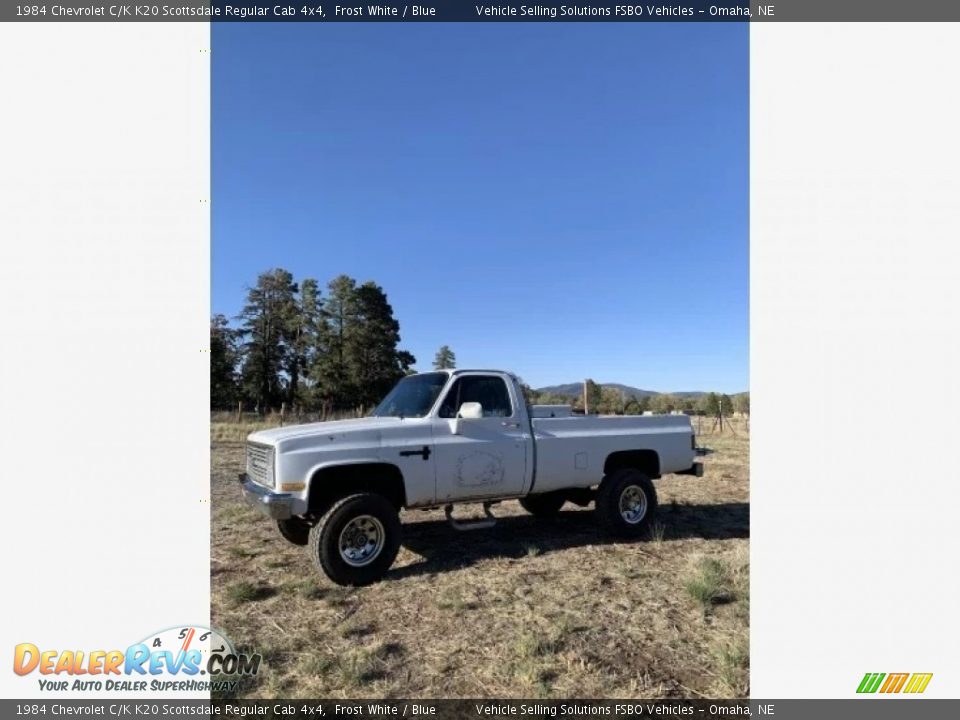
pixel 424 453
pixel 506 423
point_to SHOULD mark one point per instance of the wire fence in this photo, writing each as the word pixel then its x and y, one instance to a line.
pixel 736 424
pixel 283 416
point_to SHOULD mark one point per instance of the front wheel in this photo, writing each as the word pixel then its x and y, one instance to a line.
pixel 357 539
pixel 626 502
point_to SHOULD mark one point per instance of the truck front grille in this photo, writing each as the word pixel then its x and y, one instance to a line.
pixel 260 464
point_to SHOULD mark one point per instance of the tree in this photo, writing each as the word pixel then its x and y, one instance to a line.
pixel 300 332
pixel 373 360
pixel 726 406
pixel 445 359
pixel 593 396
pixel 340 351
pixel 711 404
pixel 338 313
pixel 304 334
pixel 356 359
pixel 741 403
pixel 224 358
pixel 663 403
pixel 266 320
pixel 612 401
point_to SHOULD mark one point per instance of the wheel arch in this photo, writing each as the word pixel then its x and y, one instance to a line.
pixel 646 461
pixel 329 482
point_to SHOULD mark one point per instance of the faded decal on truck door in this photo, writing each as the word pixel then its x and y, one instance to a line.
pixel 480 469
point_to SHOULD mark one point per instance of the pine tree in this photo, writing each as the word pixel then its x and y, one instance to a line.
pixel 445 359
pixel 374 362
pixel 302 337
pixel 711 404
pixel 224 358
pixel 338 314
pixel 594 397
pixel 357 359
pixel 265 326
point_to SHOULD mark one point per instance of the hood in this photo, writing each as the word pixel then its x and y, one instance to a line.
pixel 332 428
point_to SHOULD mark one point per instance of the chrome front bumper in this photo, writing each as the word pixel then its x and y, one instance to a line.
pixel 273 505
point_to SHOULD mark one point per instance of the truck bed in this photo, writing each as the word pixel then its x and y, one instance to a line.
pixel 571 451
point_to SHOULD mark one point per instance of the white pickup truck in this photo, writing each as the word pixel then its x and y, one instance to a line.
pixel 452 437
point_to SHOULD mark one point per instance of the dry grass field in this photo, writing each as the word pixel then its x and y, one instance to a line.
pixel 528 609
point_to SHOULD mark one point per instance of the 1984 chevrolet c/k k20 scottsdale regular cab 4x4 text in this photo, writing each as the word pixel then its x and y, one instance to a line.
pixel 451 437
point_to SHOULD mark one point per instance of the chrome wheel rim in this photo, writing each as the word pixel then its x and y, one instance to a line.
pixel 633 504
pixel 361 540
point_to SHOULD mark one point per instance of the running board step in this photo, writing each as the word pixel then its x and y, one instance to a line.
pixel 487 522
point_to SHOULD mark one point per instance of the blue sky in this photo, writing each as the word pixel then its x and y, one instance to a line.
pixel 564 201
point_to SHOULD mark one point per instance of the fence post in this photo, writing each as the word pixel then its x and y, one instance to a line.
pixel 283 410
pixel 239 411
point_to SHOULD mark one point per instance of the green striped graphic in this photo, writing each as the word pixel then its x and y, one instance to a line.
pixel 871 682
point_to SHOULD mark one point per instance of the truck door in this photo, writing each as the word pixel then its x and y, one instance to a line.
pixel 482 456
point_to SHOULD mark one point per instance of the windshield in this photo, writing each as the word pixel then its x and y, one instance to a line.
pixel 413 396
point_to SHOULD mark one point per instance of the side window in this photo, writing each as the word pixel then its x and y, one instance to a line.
pixel 490 392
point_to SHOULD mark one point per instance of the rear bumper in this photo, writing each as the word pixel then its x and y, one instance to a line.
pixel 278 506
pixel 696 470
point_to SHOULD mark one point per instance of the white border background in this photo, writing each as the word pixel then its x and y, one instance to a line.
pixel 104 285
pixel 855 309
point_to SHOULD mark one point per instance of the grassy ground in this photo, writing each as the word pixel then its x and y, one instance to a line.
pixel 530 608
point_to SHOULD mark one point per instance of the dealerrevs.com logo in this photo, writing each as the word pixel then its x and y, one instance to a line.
pixel 180 659
pixel 893 683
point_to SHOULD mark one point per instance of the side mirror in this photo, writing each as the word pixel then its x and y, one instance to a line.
pixel 468 411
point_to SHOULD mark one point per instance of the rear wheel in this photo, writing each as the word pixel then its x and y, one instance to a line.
pixel 626 502
pixel 543 505
pixel 357 539
pixel 294 530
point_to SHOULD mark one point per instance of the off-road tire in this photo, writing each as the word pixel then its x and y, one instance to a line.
pixel 294 530
pixel 626 481
pixel 324 544
pixel 544 505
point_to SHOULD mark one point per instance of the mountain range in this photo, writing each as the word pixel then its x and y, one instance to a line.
pixel 573 390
